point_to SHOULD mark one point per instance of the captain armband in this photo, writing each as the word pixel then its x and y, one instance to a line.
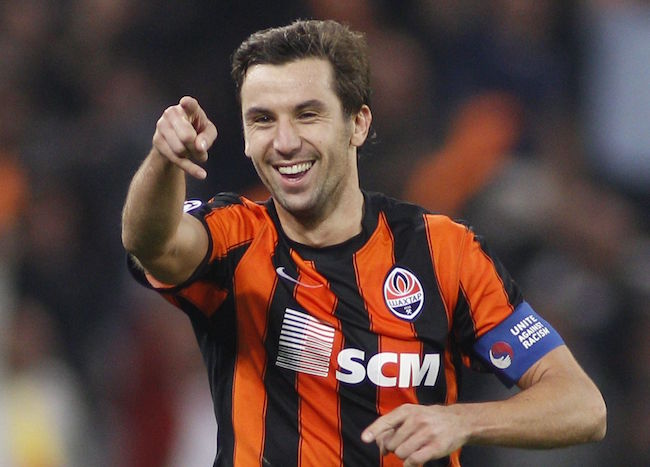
pixel 517 343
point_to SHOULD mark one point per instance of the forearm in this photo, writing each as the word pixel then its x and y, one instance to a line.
pixel 153 208
pixel 559 410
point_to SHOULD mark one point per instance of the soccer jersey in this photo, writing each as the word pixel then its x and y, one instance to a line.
pixel 305 347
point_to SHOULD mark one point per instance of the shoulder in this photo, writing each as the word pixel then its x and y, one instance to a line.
pixel 400 213
pixel 393 208
pixel 224 202
pixel 230 219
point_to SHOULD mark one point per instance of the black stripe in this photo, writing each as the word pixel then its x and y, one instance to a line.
pixel 281 440
pixel 412 253
pixel 411 248
pixel 464 328
pixel 218 345
pixel 358 401
pixel 513 291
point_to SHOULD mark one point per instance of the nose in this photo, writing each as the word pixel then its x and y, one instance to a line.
pixel 287 140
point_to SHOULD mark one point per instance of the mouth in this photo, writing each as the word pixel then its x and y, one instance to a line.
pixel 295 171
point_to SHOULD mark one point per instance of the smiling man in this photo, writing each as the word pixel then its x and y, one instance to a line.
pixel 304 148
pixel 333 321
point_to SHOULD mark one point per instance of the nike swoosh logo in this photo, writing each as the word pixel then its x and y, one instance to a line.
pixel 281 272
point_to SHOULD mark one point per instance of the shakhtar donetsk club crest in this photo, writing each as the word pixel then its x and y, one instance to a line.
pixel 403 294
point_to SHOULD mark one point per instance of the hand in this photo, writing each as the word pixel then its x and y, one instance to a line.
pixel 417 433
pixel 183 136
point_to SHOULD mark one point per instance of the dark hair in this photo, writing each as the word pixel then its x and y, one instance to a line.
pixel 345 49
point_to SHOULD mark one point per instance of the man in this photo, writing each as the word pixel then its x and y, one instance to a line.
pixel 331 319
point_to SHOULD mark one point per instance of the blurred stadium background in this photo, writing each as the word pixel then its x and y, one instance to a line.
pixel 530 119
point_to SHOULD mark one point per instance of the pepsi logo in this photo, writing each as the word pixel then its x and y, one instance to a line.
pixel 501 355
pixel 403 294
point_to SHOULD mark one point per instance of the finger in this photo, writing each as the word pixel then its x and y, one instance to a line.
pixel 381 441
pixel 191 107
pixel 173 124
pixel 378 429
pixel 161 143
pixel 206 130
pixel 184 137
pixel 194 113
pixel 169 134
pixel 206 137
pixel 422 455
pixel 384 423
pixel 191 168
pixel 409 445
pixel 400 441
pixel 186 134
pixel 185 164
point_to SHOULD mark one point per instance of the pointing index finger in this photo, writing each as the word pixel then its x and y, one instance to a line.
pixel 190 105
pixel 194 112
pixel 205 129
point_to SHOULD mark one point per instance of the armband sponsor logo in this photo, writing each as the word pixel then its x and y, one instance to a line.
pixel 191 204
pixel 501 355
pixel 403 294
pixel 529 331
pixel 388 369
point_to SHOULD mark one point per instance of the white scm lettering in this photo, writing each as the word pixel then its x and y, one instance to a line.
pixel 412 371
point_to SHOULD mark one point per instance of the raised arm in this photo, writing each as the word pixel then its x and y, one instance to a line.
pixel 559 405
pixel 168 243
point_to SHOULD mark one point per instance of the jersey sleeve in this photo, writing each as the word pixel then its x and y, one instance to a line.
pixel 229 227
pixel 496 329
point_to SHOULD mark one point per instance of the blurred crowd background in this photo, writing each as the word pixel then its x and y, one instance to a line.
pixel 529 119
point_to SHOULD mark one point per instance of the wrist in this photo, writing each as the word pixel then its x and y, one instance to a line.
pixel 468 424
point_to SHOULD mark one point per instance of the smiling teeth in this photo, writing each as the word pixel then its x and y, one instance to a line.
pixel 295 169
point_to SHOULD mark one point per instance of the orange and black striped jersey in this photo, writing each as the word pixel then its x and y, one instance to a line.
pixel 305 347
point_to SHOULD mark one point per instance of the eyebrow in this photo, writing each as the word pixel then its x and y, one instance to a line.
pixel 309 104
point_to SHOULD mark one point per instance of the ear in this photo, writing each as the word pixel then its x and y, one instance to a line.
pixel 361 122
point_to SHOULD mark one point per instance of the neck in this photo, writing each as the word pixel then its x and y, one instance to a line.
pixel 342 222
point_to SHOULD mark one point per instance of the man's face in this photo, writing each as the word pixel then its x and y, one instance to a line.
pixel 297 136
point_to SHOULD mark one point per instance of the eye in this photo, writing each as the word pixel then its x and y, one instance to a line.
pixel 262 119
pixel 259 120
pixel 307 115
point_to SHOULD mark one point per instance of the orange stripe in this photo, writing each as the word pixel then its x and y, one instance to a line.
pixel 203 295
pixel 396 335
pixel 486 295
pixel 451 397
pixel 233 225
pixel 254 285
pixel 445 241
pixel 206 297
pixel 320 423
